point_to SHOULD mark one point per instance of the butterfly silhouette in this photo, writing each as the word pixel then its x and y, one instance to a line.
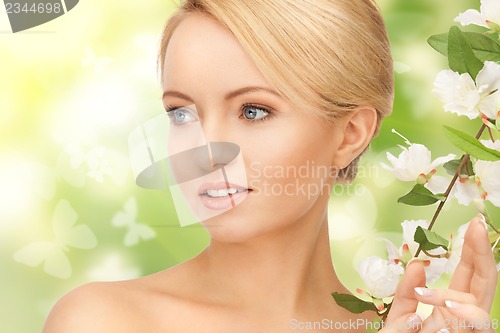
pixel 127 219
pixel 90 60
pixel 75 164
pixel 66 235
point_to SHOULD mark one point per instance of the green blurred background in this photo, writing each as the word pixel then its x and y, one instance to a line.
pixel 72 90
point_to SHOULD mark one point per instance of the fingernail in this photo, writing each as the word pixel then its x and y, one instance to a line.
pixel 452 305
pixel 443 330
pixel 414 321
pixel 423 291
pixel 412 260
pixel 483 219
pixel 481 216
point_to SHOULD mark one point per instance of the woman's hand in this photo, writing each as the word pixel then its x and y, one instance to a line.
pixel 465 306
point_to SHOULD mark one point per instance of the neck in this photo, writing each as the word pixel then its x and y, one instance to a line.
pixel 290 267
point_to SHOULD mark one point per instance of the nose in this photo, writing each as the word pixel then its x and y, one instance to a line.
pixel 219 150
pixel 213 127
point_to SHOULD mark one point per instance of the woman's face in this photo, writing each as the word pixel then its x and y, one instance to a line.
pixel 288 155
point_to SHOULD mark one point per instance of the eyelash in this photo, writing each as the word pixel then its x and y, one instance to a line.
pixel 269 113
pixel 169 109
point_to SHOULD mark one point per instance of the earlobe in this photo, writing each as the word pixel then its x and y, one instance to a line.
pixel 358 129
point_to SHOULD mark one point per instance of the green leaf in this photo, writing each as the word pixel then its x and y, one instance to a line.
pixel 461 58
pixel 493 26
pixel 429 240
pixel 484 48
pixel 352 303
pixel 493 237
pixel 470 145
pixel 420 196
pixel 496 256
pixel 376 324
pixel 451 167
pixel 439 43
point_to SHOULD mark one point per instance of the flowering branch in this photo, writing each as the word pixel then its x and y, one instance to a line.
pixel 471 88
pixel 465 160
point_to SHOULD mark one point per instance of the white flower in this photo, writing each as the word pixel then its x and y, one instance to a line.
pixel 455 249
pixel 438 184
pixel 461 95
pixel 489 17
pixel 489 175
pixel 380 276
pixel 414 163
pixel 485 184
pixel 434 267
pixel 466 191
pixel 492 145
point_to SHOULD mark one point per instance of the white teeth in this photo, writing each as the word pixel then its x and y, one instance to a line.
pixel 221 193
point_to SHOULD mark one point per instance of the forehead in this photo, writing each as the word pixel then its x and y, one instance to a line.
pixel 202 51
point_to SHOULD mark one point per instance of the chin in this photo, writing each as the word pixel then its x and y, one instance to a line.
pixel 241 224
pixel 233 227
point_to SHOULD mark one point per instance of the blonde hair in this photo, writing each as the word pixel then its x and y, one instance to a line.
pixel 326 56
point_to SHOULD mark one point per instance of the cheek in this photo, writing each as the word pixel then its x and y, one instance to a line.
pixel 290 161
pixel 296 145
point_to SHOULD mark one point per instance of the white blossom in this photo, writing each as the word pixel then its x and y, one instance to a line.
pixel 414 163
pixel 434 267
pixel 461 95
pixel 488 17
pixel 486 182
pixel 455 249
pixel 380 276
pixel 438 184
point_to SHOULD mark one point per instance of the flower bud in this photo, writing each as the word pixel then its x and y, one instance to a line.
pixel 421 179
pixel 493 26
pixel 480 206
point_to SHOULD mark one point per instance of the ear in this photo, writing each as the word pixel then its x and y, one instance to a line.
pixel 358 127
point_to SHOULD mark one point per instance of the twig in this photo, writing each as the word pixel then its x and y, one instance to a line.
pixel 491 135
pixel 465 160
pixel 488 221
pixel 432 255
pixel 386 313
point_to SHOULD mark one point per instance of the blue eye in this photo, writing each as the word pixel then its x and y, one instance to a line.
pixel 179 116
pixel 254 113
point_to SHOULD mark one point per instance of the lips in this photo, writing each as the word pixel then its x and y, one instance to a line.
pixel 221 195
pixel 220 189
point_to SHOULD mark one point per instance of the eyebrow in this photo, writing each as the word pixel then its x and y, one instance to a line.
pixel 248 90
pixel 231 95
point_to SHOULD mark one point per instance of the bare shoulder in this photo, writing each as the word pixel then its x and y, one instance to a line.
pixel 93 307
pixel 124 306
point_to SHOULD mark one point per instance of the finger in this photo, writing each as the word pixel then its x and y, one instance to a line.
pixel 441 328
pixel 484 280
pixel 436 322
pixel 465 268
pixel 405 324
pixel 405 303
pixel 437 297
pixel 476 273
pixel 472 317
